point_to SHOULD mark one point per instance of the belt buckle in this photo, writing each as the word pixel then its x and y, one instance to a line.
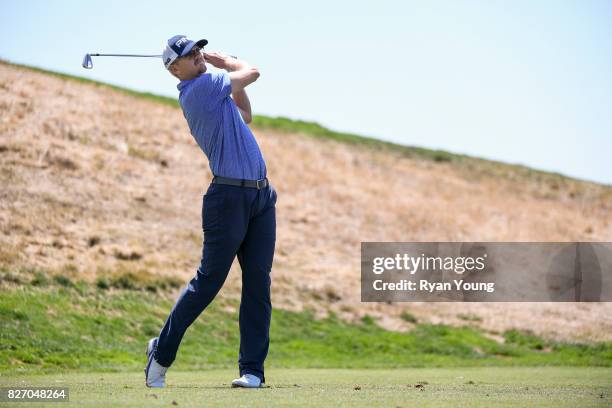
pixel 263 184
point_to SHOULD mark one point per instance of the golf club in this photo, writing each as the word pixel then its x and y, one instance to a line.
pixel 88 63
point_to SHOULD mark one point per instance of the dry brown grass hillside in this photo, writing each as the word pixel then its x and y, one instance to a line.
pixel 95 182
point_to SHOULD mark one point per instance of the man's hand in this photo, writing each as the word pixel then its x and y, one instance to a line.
pixel 241 73
pixel 217 60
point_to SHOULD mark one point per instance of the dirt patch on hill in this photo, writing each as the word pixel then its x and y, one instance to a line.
pixel 94 180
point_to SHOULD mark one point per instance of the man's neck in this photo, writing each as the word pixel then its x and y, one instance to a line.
pixel 191 77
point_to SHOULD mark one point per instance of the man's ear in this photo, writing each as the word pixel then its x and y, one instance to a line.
pixel 174 70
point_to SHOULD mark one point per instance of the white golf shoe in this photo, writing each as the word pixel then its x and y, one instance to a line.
pixel 155 373
pixel 247 381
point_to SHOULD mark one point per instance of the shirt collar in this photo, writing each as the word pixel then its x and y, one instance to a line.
pixel 181 85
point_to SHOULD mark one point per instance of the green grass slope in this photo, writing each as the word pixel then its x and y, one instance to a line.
pixel 63 325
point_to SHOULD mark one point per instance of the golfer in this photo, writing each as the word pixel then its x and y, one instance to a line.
pixel 238 209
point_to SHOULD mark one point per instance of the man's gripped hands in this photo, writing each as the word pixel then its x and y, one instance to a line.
pixel 240 72
pixel 223 61
pixel 216 59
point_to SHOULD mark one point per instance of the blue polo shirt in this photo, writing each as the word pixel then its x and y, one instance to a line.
pixel 218 128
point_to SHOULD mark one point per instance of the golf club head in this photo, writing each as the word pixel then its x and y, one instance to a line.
pixel 87 62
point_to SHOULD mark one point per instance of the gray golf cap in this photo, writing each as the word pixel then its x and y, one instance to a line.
pixel 179 46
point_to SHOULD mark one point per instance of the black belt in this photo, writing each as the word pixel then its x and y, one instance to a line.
pixel 258 184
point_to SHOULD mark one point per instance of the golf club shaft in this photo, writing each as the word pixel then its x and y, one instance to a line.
pixel 136 55
pixel 124 55
pixel 88 64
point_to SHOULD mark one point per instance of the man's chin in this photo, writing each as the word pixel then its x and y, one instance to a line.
pixel 202 68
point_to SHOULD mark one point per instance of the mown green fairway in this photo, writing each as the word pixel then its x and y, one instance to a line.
pixel 91 339
pixel 473 387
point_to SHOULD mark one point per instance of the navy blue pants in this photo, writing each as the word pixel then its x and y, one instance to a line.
pixel 236 221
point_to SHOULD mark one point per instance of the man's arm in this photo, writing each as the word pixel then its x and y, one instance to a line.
pixel 241 75
pixel 244 105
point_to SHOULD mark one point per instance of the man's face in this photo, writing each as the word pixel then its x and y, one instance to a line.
pixel 190 65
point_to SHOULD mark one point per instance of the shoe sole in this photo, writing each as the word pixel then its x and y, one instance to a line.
pixel 242 386
pixel 149 353
pixel 245 386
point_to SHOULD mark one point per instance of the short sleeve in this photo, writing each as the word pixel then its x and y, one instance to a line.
pixel 211 88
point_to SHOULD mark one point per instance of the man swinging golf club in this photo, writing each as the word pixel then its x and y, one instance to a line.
pixel 238 210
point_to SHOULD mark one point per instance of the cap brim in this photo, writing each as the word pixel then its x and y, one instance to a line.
pixel 188 48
